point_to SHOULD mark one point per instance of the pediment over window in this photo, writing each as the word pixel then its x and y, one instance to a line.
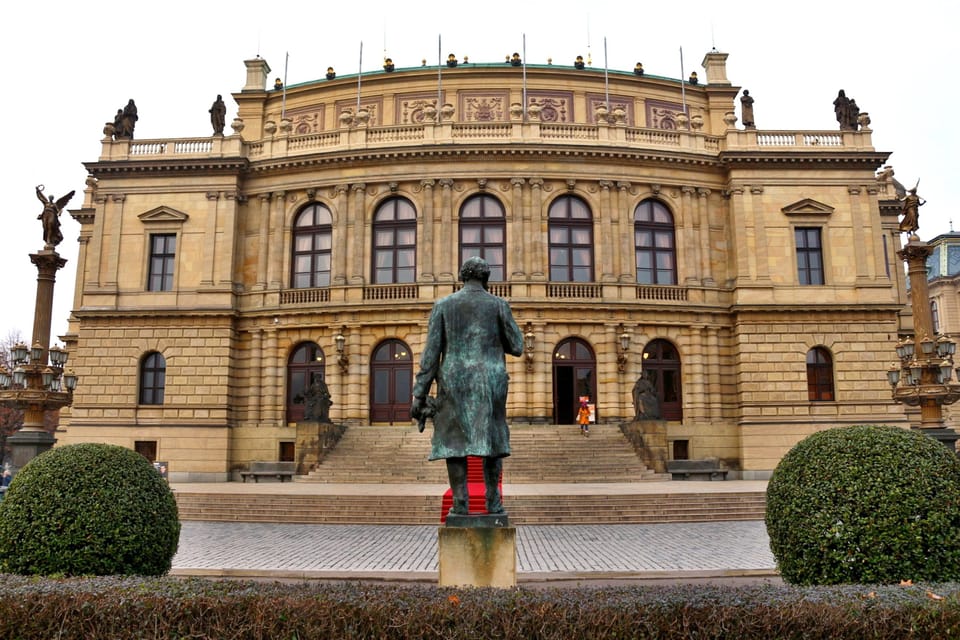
pixel 807 207
pixel 163 214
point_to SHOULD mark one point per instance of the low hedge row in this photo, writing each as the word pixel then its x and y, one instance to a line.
pixel 114 607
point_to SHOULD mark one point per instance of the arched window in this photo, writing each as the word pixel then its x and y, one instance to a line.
pixel 395 242
pixel 312 240
pixel 571 240
pixel 820 375
pixel 483 233
pixel 654 243
pixel 305 364
pixel 153 378
pixel 661 362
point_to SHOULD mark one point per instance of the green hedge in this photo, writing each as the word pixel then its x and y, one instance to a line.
pixel 86 609
pixel 866 504
pixel 88 509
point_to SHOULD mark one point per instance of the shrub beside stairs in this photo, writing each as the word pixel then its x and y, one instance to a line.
pixel 381 475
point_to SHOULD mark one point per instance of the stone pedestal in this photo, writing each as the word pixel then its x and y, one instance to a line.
pixel 478 556
pixel 27 445
pixel 649 438
pixel 314 441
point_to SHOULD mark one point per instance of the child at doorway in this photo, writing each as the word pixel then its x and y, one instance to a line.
pixel 583 418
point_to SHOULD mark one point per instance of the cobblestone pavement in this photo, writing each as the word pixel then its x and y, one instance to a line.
pixel 299 551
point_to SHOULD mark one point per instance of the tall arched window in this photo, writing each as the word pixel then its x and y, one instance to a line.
pixel 395 242
pixel 305 364
pixel 571 240
pixel 483 233
pixel 654 243
pixel 820 375
pixel 312 241
pixel 661 362
pixel 153 378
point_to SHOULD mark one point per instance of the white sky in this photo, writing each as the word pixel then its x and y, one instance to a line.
pixel 71 65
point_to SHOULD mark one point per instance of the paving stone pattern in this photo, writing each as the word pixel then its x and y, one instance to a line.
pixel 410 552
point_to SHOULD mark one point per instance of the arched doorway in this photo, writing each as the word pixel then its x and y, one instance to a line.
pixel 662 362
pixel 574 375
pixel 391 383
pixel 306 363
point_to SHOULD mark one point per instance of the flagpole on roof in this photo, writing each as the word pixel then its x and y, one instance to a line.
pixel 359 75
pixel 283 102
pixel 606 75
pixel 683 85
pixel 524 63
pixel 439 72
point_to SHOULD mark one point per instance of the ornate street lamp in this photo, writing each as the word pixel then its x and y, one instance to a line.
pixel 623 345
pixel 37 382
pixel 339 342
pixel 922 378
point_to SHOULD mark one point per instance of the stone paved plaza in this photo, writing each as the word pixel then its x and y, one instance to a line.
pixel 409 553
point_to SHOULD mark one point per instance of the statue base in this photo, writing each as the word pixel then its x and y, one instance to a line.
pixel 477 556
pixel 478 520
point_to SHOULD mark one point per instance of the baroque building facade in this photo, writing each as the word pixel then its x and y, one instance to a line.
pixel 631 224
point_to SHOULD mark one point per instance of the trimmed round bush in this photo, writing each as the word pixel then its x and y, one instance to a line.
pixel 866 504
pixel 88 509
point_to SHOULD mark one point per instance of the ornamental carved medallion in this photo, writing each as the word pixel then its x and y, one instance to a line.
pixel 488 106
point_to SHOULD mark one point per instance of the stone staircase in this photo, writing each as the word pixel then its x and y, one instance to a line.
pixel 380 475
pixel 541 454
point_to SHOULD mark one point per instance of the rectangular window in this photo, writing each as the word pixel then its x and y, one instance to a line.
pixel 809 255
pixel 163 249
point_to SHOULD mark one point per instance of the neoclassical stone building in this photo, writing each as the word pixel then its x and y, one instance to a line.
pixel 630 222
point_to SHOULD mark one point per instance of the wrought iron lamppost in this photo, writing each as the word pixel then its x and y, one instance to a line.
pixel 38 382
pixel 922 378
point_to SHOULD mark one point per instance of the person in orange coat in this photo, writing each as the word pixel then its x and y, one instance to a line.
pixel 583 417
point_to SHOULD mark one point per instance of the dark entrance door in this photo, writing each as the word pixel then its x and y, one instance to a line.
pixel 305 365
pixel 391 376
pixel 574 367
pixel 662 361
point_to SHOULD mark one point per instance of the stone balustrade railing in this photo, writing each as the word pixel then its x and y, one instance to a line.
pixel 496 133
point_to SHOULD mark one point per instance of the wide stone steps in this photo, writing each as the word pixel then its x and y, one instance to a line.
pixel 381 475
pixel 541 453
pixel 420 509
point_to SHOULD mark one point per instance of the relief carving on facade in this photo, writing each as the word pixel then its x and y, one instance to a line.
pixel 663 115
pixel 306 121
pixel 411 108
pixel 372 107
pixel 555 106
pixel 617 103
pixel 488 106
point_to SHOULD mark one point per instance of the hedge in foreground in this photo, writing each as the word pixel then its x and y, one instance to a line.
pixel 866 504
pixel 88 509
pixel 87 609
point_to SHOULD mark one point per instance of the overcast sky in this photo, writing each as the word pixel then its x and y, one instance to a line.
pixel 71 65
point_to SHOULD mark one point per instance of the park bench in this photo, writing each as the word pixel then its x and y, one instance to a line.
pixel 696 470
pixel 279 470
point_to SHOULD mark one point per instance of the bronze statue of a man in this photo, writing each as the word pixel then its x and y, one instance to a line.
pixel 468 335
